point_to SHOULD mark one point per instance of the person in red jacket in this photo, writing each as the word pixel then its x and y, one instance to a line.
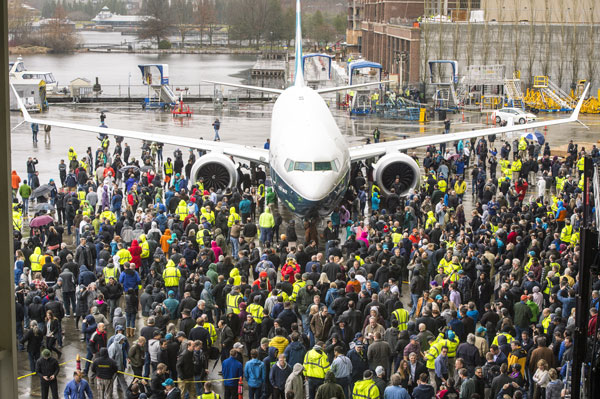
pixel 521 188
pixel 290 268
pixel 136 254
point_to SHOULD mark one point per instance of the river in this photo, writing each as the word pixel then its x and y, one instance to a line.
pixel 121 69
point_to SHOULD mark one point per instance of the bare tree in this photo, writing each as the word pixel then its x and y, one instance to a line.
pixel 206 18
pixel 158 24
pixel 532 49
pixel 592 35
pixel 183 17
pixel 546 60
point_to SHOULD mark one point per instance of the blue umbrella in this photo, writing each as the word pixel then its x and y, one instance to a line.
pixel 535 136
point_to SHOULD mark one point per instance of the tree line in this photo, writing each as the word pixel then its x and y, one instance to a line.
pixel 253 21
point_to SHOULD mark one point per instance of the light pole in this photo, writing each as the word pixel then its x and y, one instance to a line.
pixel 401 56
pixel 271 37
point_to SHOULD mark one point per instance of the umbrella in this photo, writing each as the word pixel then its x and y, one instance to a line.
pixel 535 136
pixel 44 206
pixel 41 221
pixel 146 168
pixel 127 168
pixel 41 191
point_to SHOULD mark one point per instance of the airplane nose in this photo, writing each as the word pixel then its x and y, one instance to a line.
pixel 314 187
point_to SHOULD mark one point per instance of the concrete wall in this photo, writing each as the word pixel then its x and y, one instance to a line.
pixel 554 11
pixel 565 53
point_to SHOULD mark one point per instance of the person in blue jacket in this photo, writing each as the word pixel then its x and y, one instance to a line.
pixel 232 371
pixel 78 388
pixel 129 278
pixel 254 373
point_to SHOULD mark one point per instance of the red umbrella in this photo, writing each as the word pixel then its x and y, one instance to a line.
pixel 41 221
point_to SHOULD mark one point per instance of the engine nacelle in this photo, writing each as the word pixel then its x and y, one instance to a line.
pixel 395 165
pixel 217 170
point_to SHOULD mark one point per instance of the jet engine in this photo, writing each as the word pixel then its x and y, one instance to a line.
pixel 217 171
pixel 396 165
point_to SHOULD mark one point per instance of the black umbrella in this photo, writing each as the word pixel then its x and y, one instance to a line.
pixel 44 206
pixel 127 168
pixel 146 168
pixel 41 191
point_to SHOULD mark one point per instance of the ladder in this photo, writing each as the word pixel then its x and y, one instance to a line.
pixel 556 98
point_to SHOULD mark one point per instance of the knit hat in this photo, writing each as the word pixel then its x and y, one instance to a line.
pixel 46 354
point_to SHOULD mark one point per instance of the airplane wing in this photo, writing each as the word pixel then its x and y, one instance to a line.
pixel 340 88
pixel 358 153
pixel 246 87
pixel 249 153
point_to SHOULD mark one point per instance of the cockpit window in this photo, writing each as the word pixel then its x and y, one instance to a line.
pixel 321 166
pixel 303 166
pixel 289 165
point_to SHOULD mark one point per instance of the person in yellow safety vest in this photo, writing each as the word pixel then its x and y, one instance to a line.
pixel 145 247
pixel 72 155
pixel 86 209
pixel 502 179
pixel 108 215
pixel 17 220
pixel 233 216
pixel 168 167
pixel 575 238
pixel 442 185
pixel 210 328
pixel 580 183
pixel 509 338
pixel 451 342
pixel 123 254
pixel 452 268
pixel 256 310
pixel 299 284
pixel 83 164
pixel 516 166
pixel 365 388
pixel 431 220
pixel 208 392
pixel 566 232
pixel 171 276
pixel 182 210
pixel 36 260
pixel 460 187
pixel 111 271
pixel 105 143
pixel 432 353
pixel 401 315
pixel 233 300
pixel 81 195
pixel 581 164
pixel 560 183
pixel 315 366
pixel 549 284
pixel 546 320
pixel 235 275
pixel 522 147
pixel 505 167
pixel 208 214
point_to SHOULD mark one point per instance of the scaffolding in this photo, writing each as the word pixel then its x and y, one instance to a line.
pixel 483 87
pixel 445 95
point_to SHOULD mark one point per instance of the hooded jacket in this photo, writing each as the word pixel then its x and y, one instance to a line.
pixel 129 279
pixel 295 381
pixel 104 367
pixel 254 373
pixel 136 254
pixel 85 276
pixel 266 219
pixel 330 389
pixel 115 351
pixel 294 353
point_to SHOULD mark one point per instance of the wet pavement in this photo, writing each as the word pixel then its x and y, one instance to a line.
pixel 250 125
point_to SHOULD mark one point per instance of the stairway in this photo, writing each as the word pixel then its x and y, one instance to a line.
pixel 513 91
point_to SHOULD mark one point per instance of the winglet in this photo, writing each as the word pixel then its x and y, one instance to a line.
pixel 575 115
pixel 26 115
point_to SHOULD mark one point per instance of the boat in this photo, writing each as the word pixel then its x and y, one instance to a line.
pixel 17 70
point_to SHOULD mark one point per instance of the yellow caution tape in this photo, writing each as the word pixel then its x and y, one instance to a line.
pixel 34 373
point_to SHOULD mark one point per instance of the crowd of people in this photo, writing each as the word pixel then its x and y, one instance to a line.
pixel 397 297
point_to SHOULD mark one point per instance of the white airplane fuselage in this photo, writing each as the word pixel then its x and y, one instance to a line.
pixel 309 158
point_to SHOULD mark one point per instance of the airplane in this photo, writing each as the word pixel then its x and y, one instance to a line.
pixel 309 160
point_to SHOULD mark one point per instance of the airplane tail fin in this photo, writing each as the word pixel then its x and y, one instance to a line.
pixel 298 70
